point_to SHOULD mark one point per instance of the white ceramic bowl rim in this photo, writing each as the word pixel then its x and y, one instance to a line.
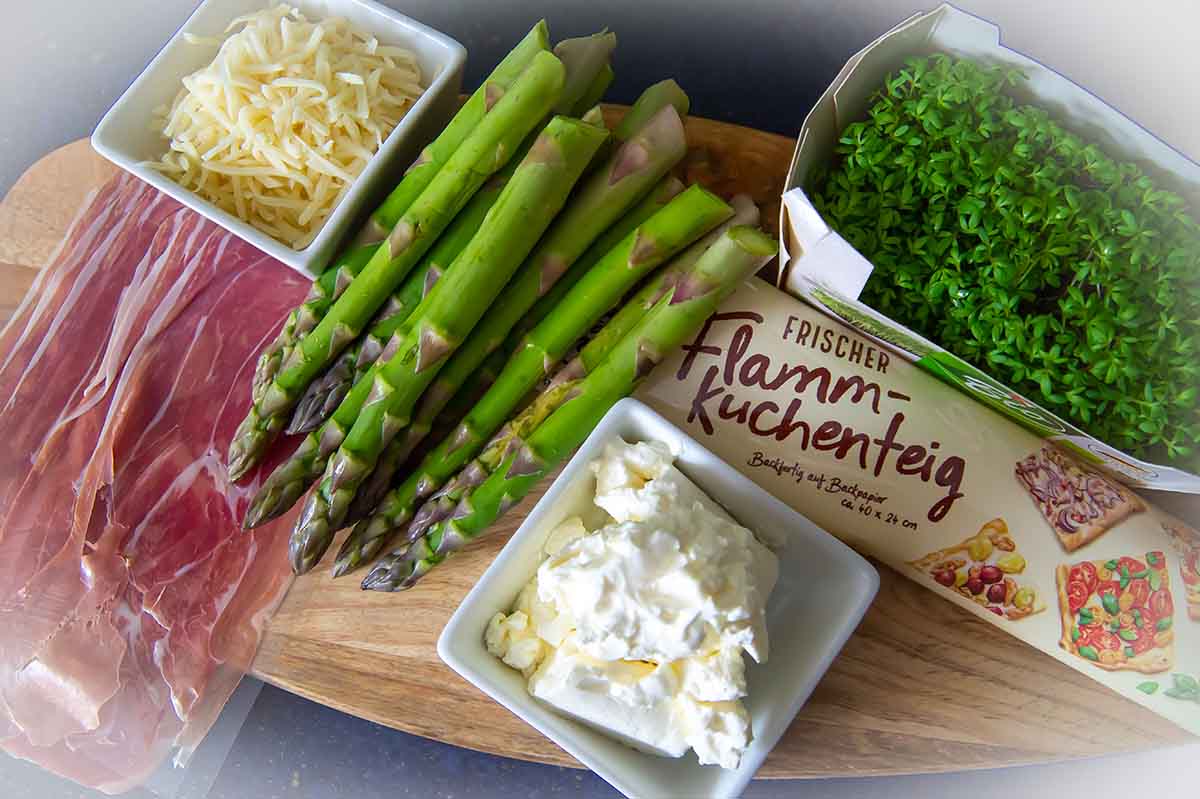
pixel 823 591
pixel 125 135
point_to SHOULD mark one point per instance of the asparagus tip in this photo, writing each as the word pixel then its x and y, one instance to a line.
pixel 238 466
pixel 380 577
pixel 260 510
pixel 275 400
pixel 311 536
pixel 351 555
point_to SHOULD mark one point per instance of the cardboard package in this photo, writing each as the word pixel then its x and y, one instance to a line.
pixel 818 265
pixel 861 424
pixel 971 505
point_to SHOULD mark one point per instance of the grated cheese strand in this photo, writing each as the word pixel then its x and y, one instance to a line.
pixel 286 116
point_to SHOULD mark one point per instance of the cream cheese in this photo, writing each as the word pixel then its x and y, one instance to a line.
pixel 638 627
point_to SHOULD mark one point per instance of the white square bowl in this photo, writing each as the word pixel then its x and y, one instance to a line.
pixel 823 591
pixel 126 135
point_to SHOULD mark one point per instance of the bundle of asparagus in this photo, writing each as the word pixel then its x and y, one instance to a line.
pixel 498 120
pixel 673 317
pixel 602 286
pixel 521 225
pixel 655 142
pixel 487 149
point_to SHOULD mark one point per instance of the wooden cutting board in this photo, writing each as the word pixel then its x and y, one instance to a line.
pixel 921 687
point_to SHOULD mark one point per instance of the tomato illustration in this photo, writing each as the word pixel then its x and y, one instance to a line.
pixel 1161 606
pixel 1086 573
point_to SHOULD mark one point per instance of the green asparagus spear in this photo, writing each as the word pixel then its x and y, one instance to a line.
pixel 438 152
pixel 324 394
pixel 585 59
pixel 736 255
pixel 485 151
pixel 536 192
pixel 648 104
pixel 441 504
pixel 595 92
pixel 683 220
pixel 651 101
pixel 349 263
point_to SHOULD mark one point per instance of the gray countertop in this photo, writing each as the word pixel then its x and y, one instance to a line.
pixel 755 62
pixel 291 748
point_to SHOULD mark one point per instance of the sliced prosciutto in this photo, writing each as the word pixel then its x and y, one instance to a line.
pixel 130 599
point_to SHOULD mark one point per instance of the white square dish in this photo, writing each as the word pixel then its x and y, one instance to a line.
pixel 823 591
pixel 126 136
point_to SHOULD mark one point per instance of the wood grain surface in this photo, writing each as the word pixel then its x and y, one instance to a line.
pixel 921 687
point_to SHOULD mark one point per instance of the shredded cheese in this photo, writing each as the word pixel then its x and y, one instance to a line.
pixel 284 119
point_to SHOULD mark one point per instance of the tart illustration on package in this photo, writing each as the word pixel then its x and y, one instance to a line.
pixel 1080 505
pixel 1118 613
pixel 984 569
pixel 1186 543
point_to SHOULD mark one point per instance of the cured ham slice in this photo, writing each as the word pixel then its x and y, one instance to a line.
pixel 130 599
